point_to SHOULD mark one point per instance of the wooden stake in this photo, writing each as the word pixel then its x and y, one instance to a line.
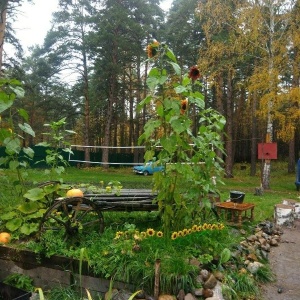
pixel 156 279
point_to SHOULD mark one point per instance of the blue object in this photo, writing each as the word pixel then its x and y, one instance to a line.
pixel 148 169
pixel 297 182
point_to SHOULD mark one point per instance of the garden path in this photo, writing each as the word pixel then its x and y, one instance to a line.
pixel 285 263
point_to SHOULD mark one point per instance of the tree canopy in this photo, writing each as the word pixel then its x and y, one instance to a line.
pixel 92 69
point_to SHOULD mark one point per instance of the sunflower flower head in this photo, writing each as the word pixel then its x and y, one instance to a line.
pixel 137 237
pixel 194 73
pixel 194 228
pixel 183 106
pixel 150 232
pixel 221 226
pixel 174 235
pixel 118 235
pixel 159 234
pixel 152 49
pixel 199 228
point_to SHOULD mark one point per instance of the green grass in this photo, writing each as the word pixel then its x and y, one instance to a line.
pixel 281 185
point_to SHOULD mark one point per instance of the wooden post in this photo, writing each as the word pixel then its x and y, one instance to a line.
pixel 156 279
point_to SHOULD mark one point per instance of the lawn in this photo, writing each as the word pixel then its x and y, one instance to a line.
pixel 282 184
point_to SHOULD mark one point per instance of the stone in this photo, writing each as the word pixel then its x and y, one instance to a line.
pixel 252 257
pixel 121 295
pixel 252 238
pixel 189 296
pixel 254 266
pixel 211 282
pixel 207 293
pixel 204 274
pixel 266 247
pixel 166 297
pixel 219 275
pixel 198 292
pixel 274 242
pixel 262 241
pixel 217 292
pixel 181 295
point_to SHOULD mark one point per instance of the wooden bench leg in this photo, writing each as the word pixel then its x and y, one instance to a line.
pixel 240 218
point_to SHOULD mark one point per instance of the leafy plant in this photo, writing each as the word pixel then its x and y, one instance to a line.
pixel 24 219
pixel 57 144
pixel 186 136
pixel 20 281
pixel 11 134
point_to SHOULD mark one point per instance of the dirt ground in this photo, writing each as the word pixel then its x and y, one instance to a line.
pixel 285 263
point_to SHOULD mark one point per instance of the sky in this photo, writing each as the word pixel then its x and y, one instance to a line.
pixel 34 21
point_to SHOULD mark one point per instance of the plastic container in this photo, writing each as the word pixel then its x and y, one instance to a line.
pixel 8 292
pixel 237 197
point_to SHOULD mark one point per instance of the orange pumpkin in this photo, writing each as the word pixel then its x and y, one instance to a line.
pixel 5 237
pixel 74 193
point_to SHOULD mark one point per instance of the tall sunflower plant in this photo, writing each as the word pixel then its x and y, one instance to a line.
pixel 184 136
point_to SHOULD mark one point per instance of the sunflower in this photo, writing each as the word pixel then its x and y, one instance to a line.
pixel 221 226
pixel 184 231
pixel 137 237
pixel 194 73
pixel 150 232
pixel 199 228
pixel 194 228
pixel 159 234
pixel 118 234
pixel 152 49
pixel 183 106
pixel 214 226
pixel 174 235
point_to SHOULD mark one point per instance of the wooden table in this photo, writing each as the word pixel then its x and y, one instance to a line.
pixel 236 209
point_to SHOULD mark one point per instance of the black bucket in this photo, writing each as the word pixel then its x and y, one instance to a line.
pixel 237 197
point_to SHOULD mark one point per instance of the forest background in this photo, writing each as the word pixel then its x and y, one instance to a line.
pixel 247 53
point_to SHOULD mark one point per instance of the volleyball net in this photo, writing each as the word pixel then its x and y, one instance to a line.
pixel 125 158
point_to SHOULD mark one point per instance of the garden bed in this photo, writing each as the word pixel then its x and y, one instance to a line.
pixel 56 271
